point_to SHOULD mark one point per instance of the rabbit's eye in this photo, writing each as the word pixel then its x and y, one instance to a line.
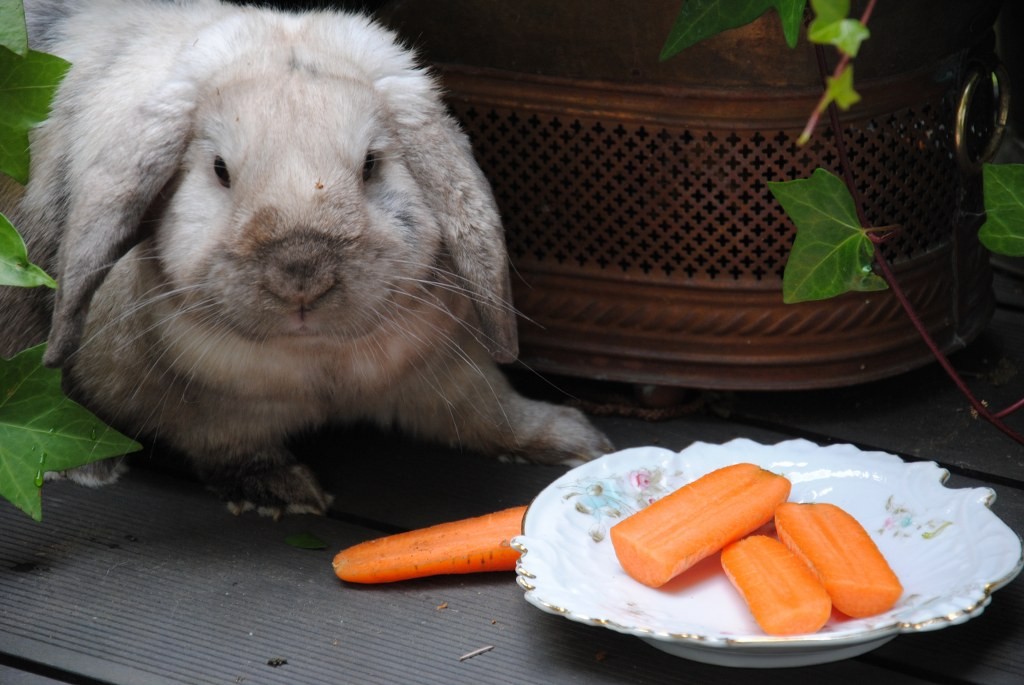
pixel 221 169
pixel 369 165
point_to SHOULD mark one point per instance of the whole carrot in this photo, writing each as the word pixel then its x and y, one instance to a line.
pixel 660 542
pixel 842 554
pixel 469 545
pixel 784 595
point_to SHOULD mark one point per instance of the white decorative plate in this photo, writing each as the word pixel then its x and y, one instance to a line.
pixel 947 547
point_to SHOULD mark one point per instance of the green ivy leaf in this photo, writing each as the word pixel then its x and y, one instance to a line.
pixel 847 35
pixel 832 253
pixel 26 90
pixel 701 19
pixel 832 26
pixel 41 430
pixel 15 268
pixel 1003 230
pixel 830 11
pixel 840 90
pixel 13 35
pixel 791 12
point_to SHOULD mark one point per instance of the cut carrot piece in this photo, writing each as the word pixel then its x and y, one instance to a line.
pixel 482 543
pixel 846 559
pixel 784 595
pixel 660 542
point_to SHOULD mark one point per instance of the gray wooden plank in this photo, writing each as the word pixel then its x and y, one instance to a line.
pixel 151 581
pixel 474 483
pixel 920 413
pixel 976 652
pixel 441 484
pixel 359 465
pixel 12 675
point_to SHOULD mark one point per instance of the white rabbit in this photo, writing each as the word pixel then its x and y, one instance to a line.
pixel 262 222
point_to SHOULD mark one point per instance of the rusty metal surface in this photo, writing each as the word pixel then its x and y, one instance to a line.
pixel 645 241
pixel 620 41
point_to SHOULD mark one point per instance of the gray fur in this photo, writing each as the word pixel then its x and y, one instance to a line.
pixel 262 223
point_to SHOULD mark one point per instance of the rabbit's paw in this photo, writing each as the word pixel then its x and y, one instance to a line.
pixel 560 435
pixel 275 491
pixel 94 474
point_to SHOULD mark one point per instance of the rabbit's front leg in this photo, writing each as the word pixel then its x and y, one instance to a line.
pixel 473 405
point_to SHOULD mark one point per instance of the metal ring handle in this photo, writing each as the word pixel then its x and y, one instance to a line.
pixel 1000 81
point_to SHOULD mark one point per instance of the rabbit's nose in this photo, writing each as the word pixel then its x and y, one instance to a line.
pixel 300 283
pixel 299 269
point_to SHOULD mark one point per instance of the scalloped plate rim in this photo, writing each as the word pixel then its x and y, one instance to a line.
pixel 753 650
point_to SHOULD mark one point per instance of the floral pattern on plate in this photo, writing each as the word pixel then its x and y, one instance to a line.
pixel 948 548
pixel 608 500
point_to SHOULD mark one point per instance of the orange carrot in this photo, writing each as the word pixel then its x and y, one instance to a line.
pixel 784 595
pixel 843 555
pixel 660 542
pixel 470 545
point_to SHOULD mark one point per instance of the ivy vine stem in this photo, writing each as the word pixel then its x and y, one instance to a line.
pixel 1019 404
pixel 844 62
pixel 995 418
pixel 878 239
pixel 839 137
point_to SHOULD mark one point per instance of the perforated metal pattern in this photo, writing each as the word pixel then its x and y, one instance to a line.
pixel 645 242
pixel 670 205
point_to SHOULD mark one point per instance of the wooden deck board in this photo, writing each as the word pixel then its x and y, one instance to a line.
pixel 920 414
pixel 10 675
pixel 152 581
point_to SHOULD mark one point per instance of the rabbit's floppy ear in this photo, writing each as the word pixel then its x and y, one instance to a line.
pixel 120 155
pixel 439 155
